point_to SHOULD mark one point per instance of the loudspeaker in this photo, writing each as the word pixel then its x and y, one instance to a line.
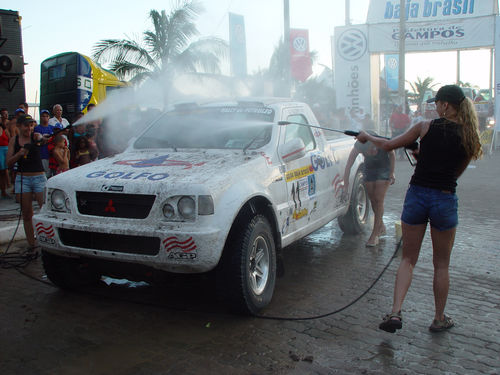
pixel 11 64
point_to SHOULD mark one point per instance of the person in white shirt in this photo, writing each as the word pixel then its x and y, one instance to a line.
pixel 58 121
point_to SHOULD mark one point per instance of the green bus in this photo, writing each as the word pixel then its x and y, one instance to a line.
pixel 74 81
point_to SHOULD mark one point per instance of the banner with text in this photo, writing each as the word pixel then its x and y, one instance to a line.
pixel 237 45
pixel 431 36
pixel 383 11
pixel 352 68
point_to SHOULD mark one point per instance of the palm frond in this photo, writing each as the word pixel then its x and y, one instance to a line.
pixel 109 50
pixel 125 69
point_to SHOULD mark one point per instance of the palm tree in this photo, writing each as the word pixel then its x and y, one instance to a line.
pixel 420 87
pixel 165 51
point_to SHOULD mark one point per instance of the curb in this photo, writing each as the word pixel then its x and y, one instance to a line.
pixel 7 231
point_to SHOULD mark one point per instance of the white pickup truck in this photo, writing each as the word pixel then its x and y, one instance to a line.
pixel 220 186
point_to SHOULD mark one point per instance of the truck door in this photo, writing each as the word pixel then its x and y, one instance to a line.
pixel 303 181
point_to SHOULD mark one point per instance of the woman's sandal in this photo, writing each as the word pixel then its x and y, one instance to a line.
pixel 372 244
pixel 392 322
pixel 441 325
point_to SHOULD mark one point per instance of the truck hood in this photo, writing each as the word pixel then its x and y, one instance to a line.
pixel 147 171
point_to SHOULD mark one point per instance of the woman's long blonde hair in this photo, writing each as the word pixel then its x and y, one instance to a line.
pixel 467 117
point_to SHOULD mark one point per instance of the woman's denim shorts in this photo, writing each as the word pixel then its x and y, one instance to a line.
pixel 424 205
pixel 31 184
pixel 377 174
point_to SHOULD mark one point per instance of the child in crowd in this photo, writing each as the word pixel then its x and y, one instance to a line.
pixel 61 154
pixel 82 153
pixel 93 150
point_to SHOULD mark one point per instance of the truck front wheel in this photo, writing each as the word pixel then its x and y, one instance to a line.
pixel 247 273
pixel 357 216
pixel 68 273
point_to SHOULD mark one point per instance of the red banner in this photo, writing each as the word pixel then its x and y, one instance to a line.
pixel 300 59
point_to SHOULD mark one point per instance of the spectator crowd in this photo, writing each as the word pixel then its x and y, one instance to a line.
pixel 67 146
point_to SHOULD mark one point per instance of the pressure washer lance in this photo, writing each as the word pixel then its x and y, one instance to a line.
pixel 413 146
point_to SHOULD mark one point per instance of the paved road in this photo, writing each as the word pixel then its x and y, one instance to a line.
pixel 179 329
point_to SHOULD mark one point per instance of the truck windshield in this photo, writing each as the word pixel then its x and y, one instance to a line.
pixel 176 131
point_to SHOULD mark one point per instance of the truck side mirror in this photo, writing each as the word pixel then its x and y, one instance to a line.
pixel 292 150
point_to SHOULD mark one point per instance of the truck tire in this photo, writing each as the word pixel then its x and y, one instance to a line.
pixel 68 273
pixel 246 275
pixel 357 216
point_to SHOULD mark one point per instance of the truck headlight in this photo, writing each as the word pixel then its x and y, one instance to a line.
pixel 187 207
pixel 205 205
pixel 59 201
pixel 168 211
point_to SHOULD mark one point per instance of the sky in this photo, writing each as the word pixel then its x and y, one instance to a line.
pixel 51 27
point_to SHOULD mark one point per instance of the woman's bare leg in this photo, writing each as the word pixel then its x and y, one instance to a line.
pixel 412 241
pixel 27 211
pixel 442 244
pixel 376 191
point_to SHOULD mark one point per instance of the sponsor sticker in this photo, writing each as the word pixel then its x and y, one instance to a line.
pixel 298 173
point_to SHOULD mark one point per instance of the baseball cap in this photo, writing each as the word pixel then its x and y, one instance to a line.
pixel 449 93
pixel 44 111
pixel 19 110
pixel 28 119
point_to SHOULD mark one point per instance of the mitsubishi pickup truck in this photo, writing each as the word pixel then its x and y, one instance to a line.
pixel 222 187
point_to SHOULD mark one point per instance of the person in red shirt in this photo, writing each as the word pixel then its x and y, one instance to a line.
pixel 399 123
pixel 4 143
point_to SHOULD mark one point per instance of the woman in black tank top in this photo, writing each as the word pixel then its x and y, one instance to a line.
pixel 24 149
pixel 447 145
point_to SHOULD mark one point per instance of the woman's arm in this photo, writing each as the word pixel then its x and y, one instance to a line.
pixel 408 137
pixel 350 161
pixel 392 163
pixel 12 157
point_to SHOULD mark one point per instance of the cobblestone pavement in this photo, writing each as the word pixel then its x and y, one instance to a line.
pixel 179 329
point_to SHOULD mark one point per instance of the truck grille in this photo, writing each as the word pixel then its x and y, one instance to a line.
pixel 110 242
pixel 129 206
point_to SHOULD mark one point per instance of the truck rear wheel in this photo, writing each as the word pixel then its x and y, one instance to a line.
pixel 247 272
pixel 68 273
pixel 357 216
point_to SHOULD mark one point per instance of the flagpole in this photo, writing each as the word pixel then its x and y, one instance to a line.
pixel 286 49
pixel 402 35
pixel 347 12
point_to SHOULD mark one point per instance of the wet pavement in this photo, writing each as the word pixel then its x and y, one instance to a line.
pixel 178 328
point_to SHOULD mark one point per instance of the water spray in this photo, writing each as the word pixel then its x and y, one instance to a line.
pixel 346 132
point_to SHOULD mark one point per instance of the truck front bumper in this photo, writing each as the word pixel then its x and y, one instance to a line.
pixel 186 249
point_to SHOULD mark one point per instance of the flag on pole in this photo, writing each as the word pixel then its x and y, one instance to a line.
pixel 392 71
pixel 300 59
pixel 237 45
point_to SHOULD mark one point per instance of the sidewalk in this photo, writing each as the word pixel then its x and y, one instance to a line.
pixel 9 218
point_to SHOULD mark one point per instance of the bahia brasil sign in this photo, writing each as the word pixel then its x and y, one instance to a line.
pixel 382 11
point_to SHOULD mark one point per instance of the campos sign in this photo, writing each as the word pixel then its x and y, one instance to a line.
pixel 382 11
pixel 431 36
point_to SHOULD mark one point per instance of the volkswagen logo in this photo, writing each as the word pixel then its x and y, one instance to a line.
pixel 300 44
pixel 352 44
pixel 392 63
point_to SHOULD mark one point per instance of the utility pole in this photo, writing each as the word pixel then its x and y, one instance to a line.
pixel 286 48
pixel 347 12
pixel 402 34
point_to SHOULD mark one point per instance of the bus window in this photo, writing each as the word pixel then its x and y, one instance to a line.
pixel 57 72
